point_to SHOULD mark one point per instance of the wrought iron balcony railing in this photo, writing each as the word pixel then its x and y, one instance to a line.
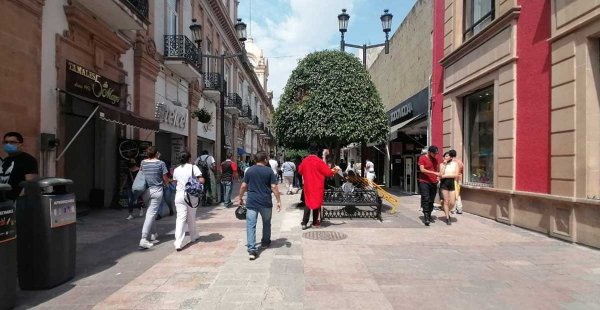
pixel 261 126
pixel 140 7
pixel 234 101
pixel 212 80
pixel 255 120
pixel 180 47
pixel 246 112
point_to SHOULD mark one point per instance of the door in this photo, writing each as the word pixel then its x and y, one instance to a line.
pixel 409 173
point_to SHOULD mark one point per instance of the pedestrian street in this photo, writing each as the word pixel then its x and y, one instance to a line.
pixel 399 263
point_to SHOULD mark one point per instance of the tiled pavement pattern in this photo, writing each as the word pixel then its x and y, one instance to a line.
pixel 399 264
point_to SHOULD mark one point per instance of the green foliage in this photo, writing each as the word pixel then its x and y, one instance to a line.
pixel 292 153
pixel 330 100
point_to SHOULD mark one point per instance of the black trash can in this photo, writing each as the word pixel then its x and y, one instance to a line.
pixel 8 250
pixel 46 218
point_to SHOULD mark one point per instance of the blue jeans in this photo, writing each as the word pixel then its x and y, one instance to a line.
pixel 227 186
pixel 251 219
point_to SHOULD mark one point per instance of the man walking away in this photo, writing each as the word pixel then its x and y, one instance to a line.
pixel 259 181
pixel 428 178
pixel 314 171
pixel 229 172
pixel 206 163
pixel 18 166
pixel 288 168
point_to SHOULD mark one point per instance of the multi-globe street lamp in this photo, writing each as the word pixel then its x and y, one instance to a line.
pixel 386 24
pixel 240 28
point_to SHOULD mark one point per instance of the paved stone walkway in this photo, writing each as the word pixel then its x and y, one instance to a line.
pixel 399 264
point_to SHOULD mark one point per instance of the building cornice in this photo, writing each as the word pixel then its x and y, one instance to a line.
pixel 34 7
pixel 483 36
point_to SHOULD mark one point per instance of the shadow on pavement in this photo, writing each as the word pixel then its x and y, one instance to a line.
pixel 210 238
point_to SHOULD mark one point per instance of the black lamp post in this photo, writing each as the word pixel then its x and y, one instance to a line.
pixel 386 24
pixel 240 28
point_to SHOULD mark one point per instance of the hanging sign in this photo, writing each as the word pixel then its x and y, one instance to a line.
pixel 86 83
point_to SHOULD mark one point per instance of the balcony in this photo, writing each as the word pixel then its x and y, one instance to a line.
pixel 212 86
pixel 120 14
pixel 182 56
pixel 233 104
pixel 254 123
pixel 261 127
pixel 246 115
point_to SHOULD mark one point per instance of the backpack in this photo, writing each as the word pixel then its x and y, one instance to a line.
pixel 203 165
pixel 193 188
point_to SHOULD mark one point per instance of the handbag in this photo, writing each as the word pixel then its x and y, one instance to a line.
pixel 240 212
pixel 139 185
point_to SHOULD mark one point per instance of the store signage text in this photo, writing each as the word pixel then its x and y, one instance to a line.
pixel 174 117
pixel 401 113
pixel 89 84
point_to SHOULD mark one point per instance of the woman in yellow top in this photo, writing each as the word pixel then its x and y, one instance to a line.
pixel 449 172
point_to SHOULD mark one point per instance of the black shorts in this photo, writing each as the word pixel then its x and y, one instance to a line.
pixel 447 184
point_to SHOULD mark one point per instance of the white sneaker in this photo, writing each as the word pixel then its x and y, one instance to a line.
pixel 141 211
pixel 145 244
pixel 130 217
pixel 154 237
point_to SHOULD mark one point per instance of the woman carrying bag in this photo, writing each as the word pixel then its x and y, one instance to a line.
pixel 155 173
pixel 186 176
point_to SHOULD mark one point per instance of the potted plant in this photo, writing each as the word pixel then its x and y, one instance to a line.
pixel 202 115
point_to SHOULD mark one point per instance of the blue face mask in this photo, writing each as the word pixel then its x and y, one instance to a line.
pixel 10 148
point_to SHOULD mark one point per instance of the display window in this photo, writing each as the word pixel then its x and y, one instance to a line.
pixel 479 137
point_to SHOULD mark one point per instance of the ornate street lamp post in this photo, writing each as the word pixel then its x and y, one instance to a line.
pixel 240 28
pixel 386 24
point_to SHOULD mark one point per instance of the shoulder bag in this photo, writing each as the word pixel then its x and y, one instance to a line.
pixel 139 185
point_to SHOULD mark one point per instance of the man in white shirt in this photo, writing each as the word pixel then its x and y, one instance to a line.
pixel 273 163
pixel 370 170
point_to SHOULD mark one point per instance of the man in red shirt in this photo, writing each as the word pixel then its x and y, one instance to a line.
pixel 229 173
pixel 428 179
pixel 313 171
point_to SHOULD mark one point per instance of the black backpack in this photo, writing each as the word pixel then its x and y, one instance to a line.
pixel 203 165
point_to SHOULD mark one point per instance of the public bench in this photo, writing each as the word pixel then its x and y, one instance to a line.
pixel 360 203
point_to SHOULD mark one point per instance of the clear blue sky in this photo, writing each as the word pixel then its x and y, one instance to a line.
pixel 287 30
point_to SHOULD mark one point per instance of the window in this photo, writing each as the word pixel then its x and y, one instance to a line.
pixel 479 137
pixel 172 17
pixel 478 14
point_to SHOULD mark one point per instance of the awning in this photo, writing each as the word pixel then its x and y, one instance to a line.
pixel 117 115
pixel 241 151
pixel 407 122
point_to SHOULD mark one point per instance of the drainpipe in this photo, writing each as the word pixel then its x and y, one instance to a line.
pixel 429 109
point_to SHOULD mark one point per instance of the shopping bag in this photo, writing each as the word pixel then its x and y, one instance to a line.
pixel 139 185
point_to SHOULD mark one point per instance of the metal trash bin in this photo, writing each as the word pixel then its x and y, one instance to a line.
pixel 8 250
pixel 46 218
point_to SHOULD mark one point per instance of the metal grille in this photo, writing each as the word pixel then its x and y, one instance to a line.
pixel 212 80
pixel 324 235
pixel 181 48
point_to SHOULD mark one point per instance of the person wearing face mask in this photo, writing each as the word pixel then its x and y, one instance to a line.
pixel 18 166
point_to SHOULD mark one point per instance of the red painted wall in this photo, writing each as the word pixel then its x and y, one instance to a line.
pixel 437 74
pixel 532 164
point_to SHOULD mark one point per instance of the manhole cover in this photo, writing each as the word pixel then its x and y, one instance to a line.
pixel 325 235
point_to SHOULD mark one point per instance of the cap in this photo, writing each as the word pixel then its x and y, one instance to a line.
pixel 433 149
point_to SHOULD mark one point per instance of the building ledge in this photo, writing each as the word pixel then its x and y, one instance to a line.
pixel 483 36
pixel 534 195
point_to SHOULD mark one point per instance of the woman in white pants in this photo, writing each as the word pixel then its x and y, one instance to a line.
pixel 186 213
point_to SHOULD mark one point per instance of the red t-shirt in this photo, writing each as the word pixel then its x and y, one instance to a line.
pixel 428 164
pixel 314 171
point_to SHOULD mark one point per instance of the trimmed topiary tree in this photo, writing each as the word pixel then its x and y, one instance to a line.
pixel 330 100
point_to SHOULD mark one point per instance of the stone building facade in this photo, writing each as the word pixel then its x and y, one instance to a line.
pixel 404 93
pixel 105 79
pixel 515 92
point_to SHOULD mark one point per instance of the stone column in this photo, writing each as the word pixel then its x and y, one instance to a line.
pixel 195 93
pixel 146 69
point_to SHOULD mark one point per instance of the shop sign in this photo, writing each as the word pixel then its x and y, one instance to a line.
pixel 86 83
pixel 173 118
pixel 402 113
pixel 8 229
pixel 62 210
pixel 409 108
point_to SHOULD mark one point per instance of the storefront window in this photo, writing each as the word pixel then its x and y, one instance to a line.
pixel 479 136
